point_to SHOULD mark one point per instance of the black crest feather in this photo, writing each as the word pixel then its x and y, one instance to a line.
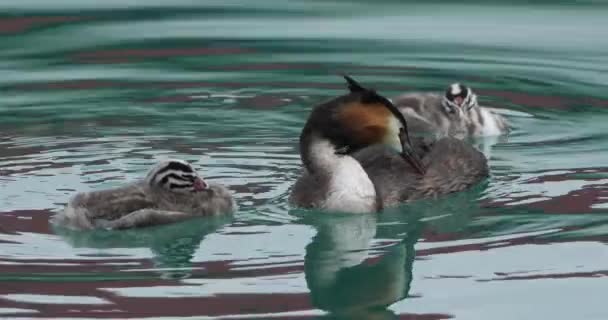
pixel 367 95
pixel 353 85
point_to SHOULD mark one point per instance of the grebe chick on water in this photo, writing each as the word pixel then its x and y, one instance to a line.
pixel 171 191
pixel 358 157
pixel 456 113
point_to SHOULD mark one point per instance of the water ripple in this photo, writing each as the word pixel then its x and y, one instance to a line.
pixel 94 94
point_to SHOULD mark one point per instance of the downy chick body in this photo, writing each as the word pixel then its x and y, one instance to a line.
pixel 455 113
pixel 171 191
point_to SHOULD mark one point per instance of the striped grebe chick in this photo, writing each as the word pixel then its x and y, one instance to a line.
pixel 171 191
pixel 455 113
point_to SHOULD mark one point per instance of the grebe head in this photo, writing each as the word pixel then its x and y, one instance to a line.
pixel 175 175
pixel 359 119
pixel 459 97
pixel 397 124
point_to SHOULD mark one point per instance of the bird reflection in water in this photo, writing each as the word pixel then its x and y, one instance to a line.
pixel 173 245
pixel 350 279
pixel 341 278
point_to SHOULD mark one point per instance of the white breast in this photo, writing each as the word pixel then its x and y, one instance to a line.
pixel 350 189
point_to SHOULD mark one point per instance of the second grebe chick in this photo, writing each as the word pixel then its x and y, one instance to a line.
pixel 455 113
pixel 171 191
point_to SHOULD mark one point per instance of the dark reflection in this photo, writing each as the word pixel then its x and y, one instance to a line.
pixel 446 215
pixel 173 245
pixel 349 280
pixel 343 282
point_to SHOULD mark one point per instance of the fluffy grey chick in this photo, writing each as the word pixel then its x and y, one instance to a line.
pixel 171 191
pixel 456 113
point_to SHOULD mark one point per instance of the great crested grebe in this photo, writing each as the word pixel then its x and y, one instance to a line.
pixel 358 157
pixel 454 113
pixel 171 191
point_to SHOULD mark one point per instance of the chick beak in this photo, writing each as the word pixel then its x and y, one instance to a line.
pixel 408 153
pixel 199 184
pixel 458 101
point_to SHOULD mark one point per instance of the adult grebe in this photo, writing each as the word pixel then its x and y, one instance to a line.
pixel 358 157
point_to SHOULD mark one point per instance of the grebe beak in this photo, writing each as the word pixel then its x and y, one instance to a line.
pixel 408 153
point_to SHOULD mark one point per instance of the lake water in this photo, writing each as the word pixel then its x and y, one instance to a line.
pixel 92 92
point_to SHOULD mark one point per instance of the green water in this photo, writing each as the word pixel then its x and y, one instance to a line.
pixel 91 93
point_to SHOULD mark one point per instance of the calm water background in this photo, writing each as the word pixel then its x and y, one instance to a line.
pixel 92 92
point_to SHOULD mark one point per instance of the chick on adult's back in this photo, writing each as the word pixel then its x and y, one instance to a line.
pixel 171 191
pixel 456 113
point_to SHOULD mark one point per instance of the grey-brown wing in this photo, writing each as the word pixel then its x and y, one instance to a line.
pixel 393 177
pixel 452 165
pixel 143 218
pixel 113 203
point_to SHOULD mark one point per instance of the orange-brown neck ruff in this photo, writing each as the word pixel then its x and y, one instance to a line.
pixel 367 123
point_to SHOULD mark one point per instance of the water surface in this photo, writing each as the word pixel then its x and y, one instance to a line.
pixel 94 93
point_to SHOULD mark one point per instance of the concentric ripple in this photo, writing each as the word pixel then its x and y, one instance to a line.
pixel 94 94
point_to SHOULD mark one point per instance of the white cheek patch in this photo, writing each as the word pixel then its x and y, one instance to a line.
pixel 392 137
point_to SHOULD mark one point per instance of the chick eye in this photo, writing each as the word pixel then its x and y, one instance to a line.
pixel 189 177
